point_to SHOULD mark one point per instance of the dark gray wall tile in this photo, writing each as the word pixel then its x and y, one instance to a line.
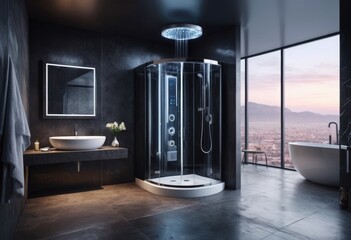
pixel 345 89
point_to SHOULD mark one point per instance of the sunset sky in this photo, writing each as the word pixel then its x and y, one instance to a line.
pixel 311 77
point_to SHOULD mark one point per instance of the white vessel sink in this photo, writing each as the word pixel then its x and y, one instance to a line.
pixel 77 142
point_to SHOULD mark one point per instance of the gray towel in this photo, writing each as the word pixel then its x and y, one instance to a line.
pixel 15 139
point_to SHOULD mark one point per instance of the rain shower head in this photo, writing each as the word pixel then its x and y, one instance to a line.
pixel 182 31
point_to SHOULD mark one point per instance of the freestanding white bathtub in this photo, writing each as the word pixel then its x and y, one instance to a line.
pixel 317 162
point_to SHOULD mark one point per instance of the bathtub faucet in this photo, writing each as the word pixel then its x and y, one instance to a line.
pixel 337 132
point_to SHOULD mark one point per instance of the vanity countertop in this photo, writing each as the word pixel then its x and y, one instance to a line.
pixel 31 157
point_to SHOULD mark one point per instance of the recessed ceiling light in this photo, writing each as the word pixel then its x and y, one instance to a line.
pixel 182 31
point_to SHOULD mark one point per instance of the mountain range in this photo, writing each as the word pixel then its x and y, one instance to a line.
pixel 265 113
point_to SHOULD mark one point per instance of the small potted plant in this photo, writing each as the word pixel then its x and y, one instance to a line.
pixel 115 129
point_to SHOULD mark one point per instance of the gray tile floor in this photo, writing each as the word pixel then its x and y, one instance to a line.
pixel 272 204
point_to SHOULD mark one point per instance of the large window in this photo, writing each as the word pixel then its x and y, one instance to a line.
pixel 310 96
pixel 263 106
pixel 311 74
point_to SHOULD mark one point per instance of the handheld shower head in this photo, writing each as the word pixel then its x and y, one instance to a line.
pixel 199 75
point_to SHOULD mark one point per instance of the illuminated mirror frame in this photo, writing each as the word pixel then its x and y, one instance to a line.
pixel 46 113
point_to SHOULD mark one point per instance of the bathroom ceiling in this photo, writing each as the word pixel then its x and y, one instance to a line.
pixel 265 24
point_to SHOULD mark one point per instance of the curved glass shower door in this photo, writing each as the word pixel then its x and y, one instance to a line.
pixel 183 123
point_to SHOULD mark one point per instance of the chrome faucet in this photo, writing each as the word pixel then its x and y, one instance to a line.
pixel 76 129
pixel 337 132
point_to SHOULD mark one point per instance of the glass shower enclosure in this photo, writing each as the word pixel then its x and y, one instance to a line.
pixel 182 123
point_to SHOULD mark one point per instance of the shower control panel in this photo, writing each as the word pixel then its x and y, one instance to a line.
pixel 171 113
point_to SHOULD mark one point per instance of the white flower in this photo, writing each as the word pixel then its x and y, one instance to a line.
pixel 122 126
pixel 115 128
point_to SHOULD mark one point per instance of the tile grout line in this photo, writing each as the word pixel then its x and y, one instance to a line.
pixel 279 229
pixel 154 214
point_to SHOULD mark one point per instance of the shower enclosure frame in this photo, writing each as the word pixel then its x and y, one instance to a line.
pixel 143 123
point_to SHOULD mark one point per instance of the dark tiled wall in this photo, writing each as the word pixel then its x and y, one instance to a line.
pixel 114 58
pixel 14 43
pixel 50 43
pixel 224 47
pixel 345 86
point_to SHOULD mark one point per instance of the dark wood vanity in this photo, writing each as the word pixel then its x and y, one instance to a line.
pixel 74 162
pixel 32 157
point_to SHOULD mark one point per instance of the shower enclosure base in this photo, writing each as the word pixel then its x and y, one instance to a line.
pixel 191 185
pixel 189 180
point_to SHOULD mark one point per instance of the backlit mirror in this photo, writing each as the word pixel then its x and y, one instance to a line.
pixel 69 91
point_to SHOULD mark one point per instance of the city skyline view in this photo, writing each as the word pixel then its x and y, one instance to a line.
pixel 264 130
